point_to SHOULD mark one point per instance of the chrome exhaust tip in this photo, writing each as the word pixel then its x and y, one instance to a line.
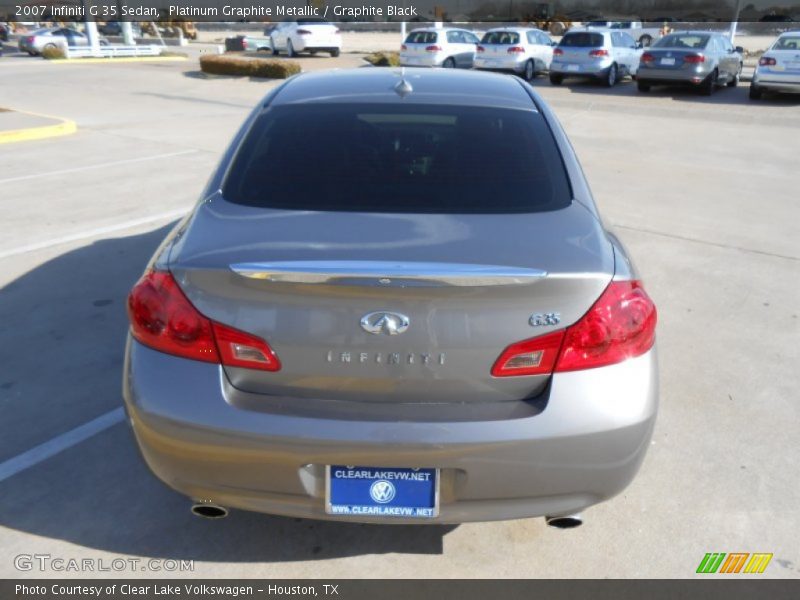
pixel 208 510
pixel 564 521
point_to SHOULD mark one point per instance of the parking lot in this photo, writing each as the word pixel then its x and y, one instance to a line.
pixel 703 190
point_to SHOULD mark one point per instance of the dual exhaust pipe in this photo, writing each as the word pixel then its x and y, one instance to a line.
pixel 209 510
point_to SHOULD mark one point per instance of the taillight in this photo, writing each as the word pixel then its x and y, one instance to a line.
pixel 694 59
pixel 558 52
pixel 433 48
pixel 515 50
pixel 481 49
pixel 647 58
pixel 29 39
pixel 403 47
pixel 162 318
pixel 598 53
pixel 767 61
pixel 244 44
pixel 303 32
pixel 620 325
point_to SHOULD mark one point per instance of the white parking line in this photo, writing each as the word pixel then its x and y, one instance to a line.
pixel 97 166
pixel 60 443
pixel 165 216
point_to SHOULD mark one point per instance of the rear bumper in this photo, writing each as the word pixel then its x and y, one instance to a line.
pixel 584 445
pixel 433 59
pixel 597 68
pixel 512 62
pixel 656 76
pixel 777 82
pixel 302 44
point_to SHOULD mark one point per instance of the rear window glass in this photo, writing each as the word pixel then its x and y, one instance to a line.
pixel 400 158
pixel 500 37
pixel 582 40
pixel 682 41
pixel 787 43
pixel 421 37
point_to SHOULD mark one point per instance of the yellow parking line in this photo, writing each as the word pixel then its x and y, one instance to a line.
pixel 63 127
pixel 85 61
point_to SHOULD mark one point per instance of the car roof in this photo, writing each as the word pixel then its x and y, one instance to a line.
pixel 514 29
pixel 792 32
pixel 437 29
pixel 428 86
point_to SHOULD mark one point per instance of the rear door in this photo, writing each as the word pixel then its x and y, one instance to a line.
pixel 405 261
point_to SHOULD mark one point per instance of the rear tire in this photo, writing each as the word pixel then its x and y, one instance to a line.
pixel 530 71
pixel 290 49
pixel 556 79
pixel 755 92
pixel 273 48
pixel 611 76
pixel 642 86
pixel 735 81
pixel 335 52
pixel 709 86
pixel 449 63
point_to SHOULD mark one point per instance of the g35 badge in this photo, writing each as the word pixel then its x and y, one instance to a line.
pixel 542 319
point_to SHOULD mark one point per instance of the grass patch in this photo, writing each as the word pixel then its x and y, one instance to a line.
pixel 248 67
pixel 173 53
pixel 383 59
pixel 53 53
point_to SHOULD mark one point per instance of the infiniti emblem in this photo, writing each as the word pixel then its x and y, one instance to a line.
pixel 388 323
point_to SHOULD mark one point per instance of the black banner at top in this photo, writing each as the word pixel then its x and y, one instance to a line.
pixel 782 13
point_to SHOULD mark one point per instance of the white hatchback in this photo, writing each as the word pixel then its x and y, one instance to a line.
pixel 439 47
pixel 306 35
pixel 522 50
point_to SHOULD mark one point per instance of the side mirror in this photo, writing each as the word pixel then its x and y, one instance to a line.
pixel 740 50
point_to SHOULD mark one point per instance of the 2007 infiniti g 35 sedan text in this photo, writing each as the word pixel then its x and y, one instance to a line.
pixel 394 302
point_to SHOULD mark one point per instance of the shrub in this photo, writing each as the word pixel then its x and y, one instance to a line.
pixel 249 67
pixel 383 59
pixel 53 53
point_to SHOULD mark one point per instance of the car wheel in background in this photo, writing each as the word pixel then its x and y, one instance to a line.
pixel 530 71
pixel 642 86
pixel 556 79
pixel 335 52
pixel 611 76
pixel 290 49
pixel 449 63
pixel 735 80
pixel 272 46
pixel 709 86
pixel 645 40
pixel 755 92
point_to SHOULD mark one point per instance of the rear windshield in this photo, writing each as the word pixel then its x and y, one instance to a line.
pixel 400 158
pixel 682 40
pixel 500 37
pixel 421 37
pixel 582 40
pixel 787 42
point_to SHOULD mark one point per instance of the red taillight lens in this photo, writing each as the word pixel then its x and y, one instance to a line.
pixel 619 326
pixel 694 59
pixel 598 53
pixel 303 32
pixel 481 49
pixel 529 357
pixel 515 50
pixel 403 47
pixel 767 61
pixel 647 58
pixel 29 39
pixel 558 52
pixel 162 318
pixel 433 48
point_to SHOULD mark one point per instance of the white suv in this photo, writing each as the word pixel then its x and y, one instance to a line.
pixel 306 35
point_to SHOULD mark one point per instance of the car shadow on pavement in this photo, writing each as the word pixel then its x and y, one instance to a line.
pixel 66 320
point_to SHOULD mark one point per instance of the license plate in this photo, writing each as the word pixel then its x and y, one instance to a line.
pixel 668 62
pixel 573 67
pixel 382 492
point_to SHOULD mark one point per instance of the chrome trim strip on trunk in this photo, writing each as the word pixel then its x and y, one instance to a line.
pixel 386 273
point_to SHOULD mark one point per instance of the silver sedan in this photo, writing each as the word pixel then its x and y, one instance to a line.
pixel 779 68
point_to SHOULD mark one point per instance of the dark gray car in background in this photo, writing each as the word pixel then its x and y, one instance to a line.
pixel 394 302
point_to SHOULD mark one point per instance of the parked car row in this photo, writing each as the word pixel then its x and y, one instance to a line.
pixel 703 59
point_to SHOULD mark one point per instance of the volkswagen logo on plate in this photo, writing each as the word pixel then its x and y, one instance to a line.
pixel 388 323
pixel 382 491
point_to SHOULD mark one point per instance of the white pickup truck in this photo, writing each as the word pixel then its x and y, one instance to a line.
pixel 637 30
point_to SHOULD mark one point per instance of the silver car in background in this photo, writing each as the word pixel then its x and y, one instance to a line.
pixel 61 37
pixel 603 55
pixel 700 58
pixel 439 47
pixel 430 325
pixel 524 51
pixel 778 69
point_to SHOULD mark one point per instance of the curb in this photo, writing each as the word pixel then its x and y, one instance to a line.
pixel 120 59
pixel 63 127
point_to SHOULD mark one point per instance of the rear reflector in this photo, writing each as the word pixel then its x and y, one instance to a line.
pixel 619 326
pixel 162 318
pixel 403 47
pixel 481 49
pixel 694 59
